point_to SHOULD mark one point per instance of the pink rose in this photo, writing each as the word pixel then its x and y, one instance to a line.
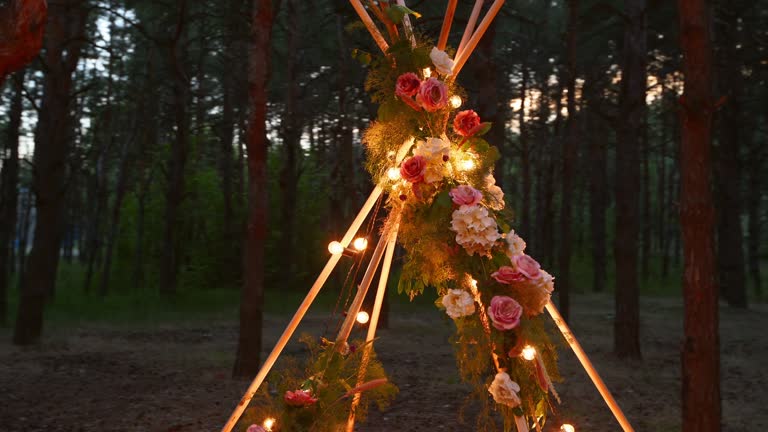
pixel 299 398
pixel 527 266
pixel 413 169
pixel 505 312
pixel 507 275
pixel 465 195
pixel 407 85
pixel 432 95
pixel 466 123
pixel 255 428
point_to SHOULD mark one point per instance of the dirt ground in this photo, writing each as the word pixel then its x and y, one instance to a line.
pixel 175 378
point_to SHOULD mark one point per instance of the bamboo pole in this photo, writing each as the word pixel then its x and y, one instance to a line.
pixel 460 60
pixel 470 28
pixel 369 24
pixel 374 323
pixel 587 365
pixel 447 21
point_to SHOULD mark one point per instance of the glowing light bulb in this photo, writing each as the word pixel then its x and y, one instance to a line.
pixel 393 173
pixel 467 164
pixel 427 72
pixel 268 423
pixel 473 283
pixel 360 243
pixel 335 248
pixel 363 317
pixel 567 428
pixel 529 352
pixel 455 101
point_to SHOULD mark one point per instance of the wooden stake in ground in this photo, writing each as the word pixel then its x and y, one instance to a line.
pixel 701 347
pixel 587 365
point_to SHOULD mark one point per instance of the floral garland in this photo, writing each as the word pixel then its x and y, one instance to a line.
pixel 455 237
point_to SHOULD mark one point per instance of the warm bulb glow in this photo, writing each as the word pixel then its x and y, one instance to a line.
pixel 455 101
pixel 268 423
pixel 363 317
pixel 335 248
pixel 360 243
pixel 474 283
pixel 529 352
pixel 467 164
pixel 567 428
pixel 393 173
pixel 427 72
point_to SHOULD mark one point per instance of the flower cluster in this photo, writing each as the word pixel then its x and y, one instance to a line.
pixel 476 231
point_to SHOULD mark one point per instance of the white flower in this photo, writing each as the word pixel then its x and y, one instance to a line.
pixel 442 61
pixel 475 230
pixel 458 303
pixel 435 151
pixel 504 390
pixel 516 244
pixel 544 287
pixel 496 200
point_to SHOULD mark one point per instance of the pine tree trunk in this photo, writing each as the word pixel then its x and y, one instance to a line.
pixel 65 37
pixel 171 255
pixel 290 132
pixel 568 163
pixel 252 296
pixel 9 193
pixel 645 255
pixel 598 187
pixel 730 252
pixel 633 87
pixel 701 347
pixel 525 158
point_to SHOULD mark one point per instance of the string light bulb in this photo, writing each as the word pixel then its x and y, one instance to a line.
pixel 467 164
pixel 335 248
pixel 427 72
pixel 529 352
pixel 455 101
pixel 360 244
pixel 473 283
pixel 363 317
pixel 393 174
pixel 268 423
pixel 567 428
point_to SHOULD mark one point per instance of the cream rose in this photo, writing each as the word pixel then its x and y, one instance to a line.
pixel 458 303
pixel 504 390
pixel 515 244
pixel 443 63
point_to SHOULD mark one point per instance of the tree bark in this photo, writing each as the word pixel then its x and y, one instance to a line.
pixel 252 296
pixel 754 169
pixel 9 194
pixel 174 196
pixel 701 347
pixel 525 158
pixel 22 24
pixel 569 161
pixel 65 37
pixel 730 240
pixel 632 109
pixel 598 186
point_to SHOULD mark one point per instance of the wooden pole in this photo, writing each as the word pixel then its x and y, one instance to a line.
pixel 461 59
pixel 587 365
pixel 470 28
pixel 374 323
pixel 373 265
pixel 360 9
pixel 447 21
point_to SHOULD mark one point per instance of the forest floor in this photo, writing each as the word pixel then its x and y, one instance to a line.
pixel 175 377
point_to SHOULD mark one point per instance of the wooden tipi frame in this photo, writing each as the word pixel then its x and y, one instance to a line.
pixel 385 246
